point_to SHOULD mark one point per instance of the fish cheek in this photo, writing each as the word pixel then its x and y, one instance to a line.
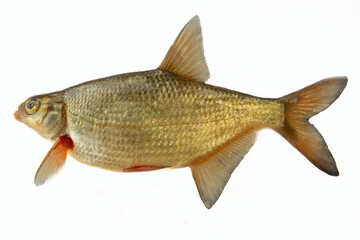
pixel 53 123
pixel 51 119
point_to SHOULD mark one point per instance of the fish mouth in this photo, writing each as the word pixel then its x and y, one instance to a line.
pixel 17 116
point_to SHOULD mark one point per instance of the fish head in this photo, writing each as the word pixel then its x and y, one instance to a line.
pixel 45 114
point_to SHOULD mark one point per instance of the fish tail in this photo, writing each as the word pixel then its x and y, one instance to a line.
pixel 300 106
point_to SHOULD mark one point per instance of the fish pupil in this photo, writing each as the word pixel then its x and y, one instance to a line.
pixel 30 105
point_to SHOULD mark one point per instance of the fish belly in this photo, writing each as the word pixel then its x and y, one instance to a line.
pixel 156 119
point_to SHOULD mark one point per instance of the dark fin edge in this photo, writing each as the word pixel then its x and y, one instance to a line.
pixel 300 106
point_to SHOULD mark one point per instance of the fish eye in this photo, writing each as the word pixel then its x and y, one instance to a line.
pixel 31 106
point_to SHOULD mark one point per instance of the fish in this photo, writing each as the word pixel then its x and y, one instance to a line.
pixel 170 117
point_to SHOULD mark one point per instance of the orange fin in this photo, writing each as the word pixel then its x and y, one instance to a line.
pixel 302 105
pixel 54 159
pixel 213 172
pixel 186 57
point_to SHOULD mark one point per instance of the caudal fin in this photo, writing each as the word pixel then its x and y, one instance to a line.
pixel 300 106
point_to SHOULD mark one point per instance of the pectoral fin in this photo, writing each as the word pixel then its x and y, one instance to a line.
pixel 54 159
pixel 213 172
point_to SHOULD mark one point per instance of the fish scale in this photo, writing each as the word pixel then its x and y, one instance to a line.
pixel 173 129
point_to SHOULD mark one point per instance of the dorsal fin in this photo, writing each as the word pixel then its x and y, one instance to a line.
pixel 186 57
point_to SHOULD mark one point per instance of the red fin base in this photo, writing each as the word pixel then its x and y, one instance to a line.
pixel 67 142
pixel 142 168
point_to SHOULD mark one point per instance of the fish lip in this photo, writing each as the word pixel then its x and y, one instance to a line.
pixel 18 113
pixel 17 116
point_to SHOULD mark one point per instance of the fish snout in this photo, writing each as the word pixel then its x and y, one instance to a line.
pixel 16 115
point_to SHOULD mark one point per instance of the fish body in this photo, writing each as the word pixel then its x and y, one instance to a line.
pixel 170 118
pixel 155 118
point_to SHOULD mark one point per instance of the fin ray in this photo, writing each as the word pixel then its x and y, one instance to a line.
pixel 302 105
pixel 186 57
pixel 212 173
pixel 53 160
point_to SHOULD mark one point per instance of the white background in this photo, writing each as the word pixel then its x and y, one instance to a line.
pixel 265 48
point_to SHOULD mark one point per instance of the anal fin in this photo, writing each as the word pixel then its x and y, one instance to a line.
pixel 212 173
pixel 54 159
